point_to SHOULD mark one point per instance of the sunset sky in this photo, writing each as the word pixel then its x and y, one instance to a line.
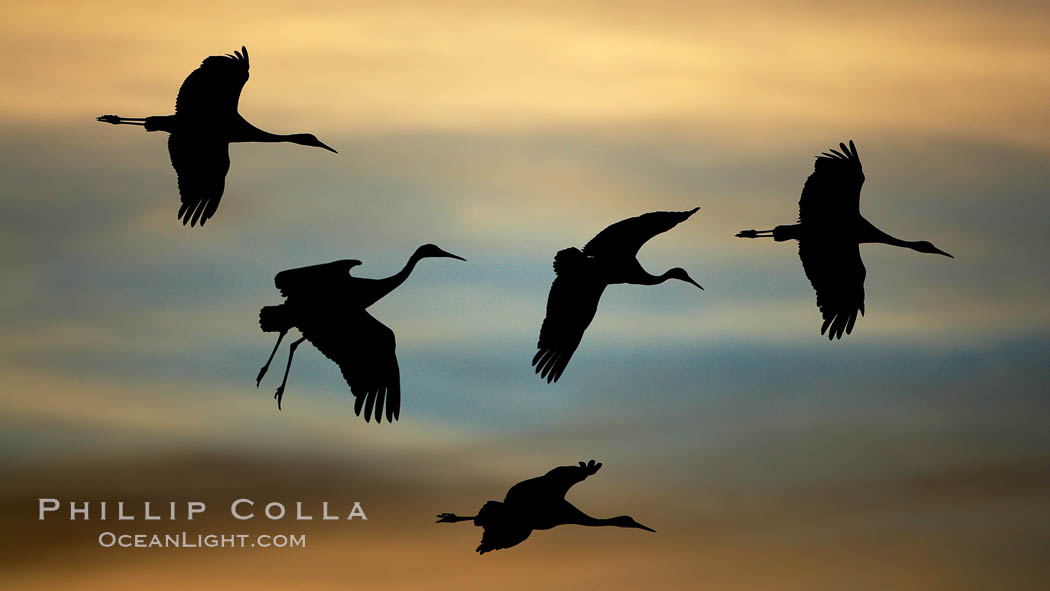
pixel 913 454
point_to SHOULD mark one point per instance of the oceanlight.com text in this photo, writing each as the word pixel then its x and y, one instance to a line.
pixel 194 541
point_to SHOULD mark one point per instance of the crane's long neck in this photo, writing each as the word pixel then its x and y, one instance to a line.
pixel 243 131
pixel 632 272
pixel 620 521
pixel 596 521
pixel 869 233
pixel 389 284
pixel 582 518
pixel 647 278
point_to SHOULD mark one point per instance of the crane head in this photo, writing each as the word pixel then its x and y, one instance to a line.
pixel 681 275
pixel 309 139
pixel 433 250
pixel 628 521
pixel 929 248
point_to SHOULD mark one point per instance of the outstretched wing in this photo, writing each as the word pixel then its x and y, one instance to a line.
pixel 837 273
pixel 364 350
pixel 832 192
pixel 214 89
pixel 315 279
pixel 624 238
pixel 551 486
pixel 571 305
pixel 201 163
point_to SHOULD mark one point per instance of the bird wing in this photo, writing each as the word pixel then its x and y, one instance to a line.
pixel 201 164
pixel 214 89
pixel 551 486
pixel 571 305
pixel 314 279
pixel 501 529
pixel 626 237
pixel 364 350
pixel 837 273
pixel 832 192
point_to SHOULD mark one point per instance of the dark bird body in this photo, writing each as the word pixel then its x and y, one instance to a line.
pixel 537 503
pixel 609 258
pixel 328 306
pixel 205 122
pixel 829 231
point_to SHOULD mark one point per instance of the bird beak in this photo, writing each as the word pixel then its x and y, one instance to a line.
pixel 640 526
pixel 326 147
pixel 690 280
pixel 939 251
pixel 452 256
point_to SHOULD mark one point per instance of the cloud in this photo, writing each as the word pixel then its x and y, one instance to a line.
pixel 759 69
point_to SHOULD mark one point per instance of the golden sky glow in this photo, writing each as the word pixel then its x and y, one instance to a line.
pixel 760 68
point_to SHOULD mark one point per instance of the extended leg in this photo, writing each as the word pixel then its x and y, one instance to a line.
pixel 262 371
pixel 453 518
pixel 280 389
pixel 755 234
pixel 118 120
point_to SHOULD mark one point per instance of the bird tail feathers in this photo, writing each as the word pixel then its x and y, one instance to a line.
pixel 491 513
pixel 160 123
pixel 274 319
pixel 790 232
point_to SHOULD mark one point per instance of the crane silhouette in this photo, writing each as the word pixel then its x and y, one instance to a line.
pixel 829 231
pixel 203 126
pixel 581 276
pixel 328 306
pixel 536 503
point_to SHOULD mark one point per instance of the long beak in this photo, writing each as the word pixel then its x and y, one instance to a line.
pixel 690 280
pixel 327 147
pixel 939 251
pixel 448 254
pixel 640 526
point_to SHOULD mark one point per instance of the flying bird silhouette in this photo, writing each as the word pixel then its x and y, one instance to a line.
pixel 203 126
pixel 829 231
pixel 537 503
pixel 581 276
pixel 328 305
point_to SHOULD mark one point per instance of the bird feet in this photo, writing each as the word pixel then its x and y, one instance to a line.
pixel 108 119
pixel 262 372
pixel 591 467
pixel 445 518
pixel 278 395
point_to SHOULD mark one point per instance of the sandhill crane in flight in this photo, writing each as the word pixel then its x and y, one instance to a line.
pixel 204 124
pixel 328 305
pixel 581 276
pixel 829 231
pixel 537 503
